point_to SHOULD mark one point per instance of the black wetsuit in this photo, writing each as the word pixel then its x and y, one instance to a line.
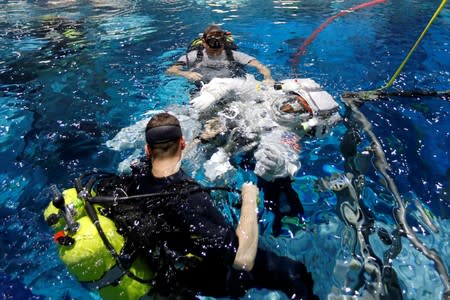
pixel 275 192
pixel 198 228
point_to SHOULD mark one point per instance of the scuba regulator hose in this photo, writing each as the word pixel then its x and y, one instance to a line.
pixel 90 211
pixel 84 194
pixel 116 199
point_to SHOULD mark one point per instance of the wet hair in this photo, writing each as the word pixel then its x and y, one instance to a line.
pixel 211 28
pixel 214 37
pixel 162 134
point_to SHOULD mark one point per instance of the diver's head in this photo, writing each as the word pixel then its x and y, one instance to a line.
pixel 295 104
pixel 163 136
pixel 291 110
pixel 214 38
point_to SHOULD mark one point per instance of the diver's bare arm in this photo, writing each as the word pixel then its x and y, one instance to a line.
pixel 177 70
pixel 247 230
pixel 262 69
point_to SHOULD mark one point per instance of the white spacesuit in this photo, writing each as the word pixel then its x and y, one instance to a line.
pixel 251 121
pixel 263 125
pixel 267 120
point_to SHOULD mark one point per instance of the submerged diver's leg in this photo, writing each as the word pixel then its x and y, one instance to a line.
pixel 281 273
pixel 276 191
pixel 295 205
pixel 348 147
pixel 271 202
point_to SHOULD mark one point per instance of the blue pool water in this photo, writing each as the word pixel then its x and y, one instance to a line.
pixel 66 89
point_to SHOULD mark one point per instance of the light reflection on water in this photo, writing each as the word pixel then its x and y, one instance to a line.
pixel 73 86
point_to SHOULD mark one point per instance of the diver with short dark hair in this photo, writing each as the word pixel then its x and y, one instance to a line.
pixel 216 56
pixel 189 245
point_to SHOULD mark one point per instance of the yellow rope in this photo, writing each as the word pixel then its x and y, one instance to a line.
pixel 391 81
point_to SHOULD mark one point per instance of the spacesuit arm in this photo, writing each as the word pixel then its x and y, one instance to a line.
pixel 128 137
pixel 219 88
pixel 277 156
pixel 215 90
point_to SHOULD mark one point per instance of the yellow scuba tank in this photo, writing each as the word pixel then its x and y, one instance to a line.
pixel 94 265
pixel 86 255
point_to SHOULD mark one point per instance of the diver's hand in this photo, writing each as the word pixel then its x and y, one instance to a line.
pixel 203 101
pixel 192 76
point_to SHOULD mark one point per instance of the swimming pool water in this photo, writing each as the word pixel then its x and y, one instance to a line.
pixel 72 74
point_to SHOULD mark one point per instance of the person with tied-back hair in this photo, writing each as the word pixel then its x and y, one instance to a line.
pixel 189 244
pixel 216 57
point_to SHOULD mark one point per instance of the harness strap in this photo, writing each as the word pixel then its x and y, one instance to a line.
pixel 182 190
pixel 90 211
pixel 199 57
pixel 229 54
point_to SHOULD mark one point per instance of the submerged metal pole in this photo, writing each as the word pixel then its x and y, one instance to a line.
pixel 400 210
